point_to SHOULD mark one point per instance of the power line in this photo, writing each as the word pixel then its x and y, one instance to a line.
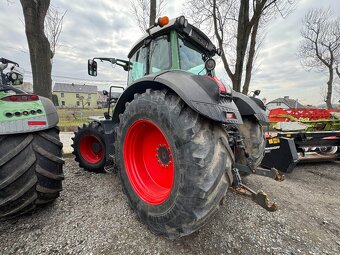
pixel 81 79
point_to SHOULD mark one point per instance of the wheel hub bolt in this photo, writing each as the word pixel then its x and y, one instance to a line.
pixel 163 154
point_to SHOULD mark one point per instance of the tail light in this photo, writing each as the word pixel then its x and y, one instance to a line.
pixel 230 115
pixel 21 98
pixel 224 90
pixel 36 123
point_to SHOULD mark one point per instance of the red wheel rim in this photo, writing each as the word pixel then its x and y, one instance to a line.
pixel 149 162
pixel 91 149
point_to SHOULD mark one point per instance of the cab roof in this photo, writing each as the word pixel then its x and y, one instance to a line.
pixel 190 32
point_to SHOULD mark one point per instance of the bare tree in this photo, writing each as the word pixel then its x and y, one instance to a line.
pixel 43 25
pixel 337 86
pixel 38 44
pixel 146 11
pixel 53 27
pixel 320 47
pixel 153 12
pixel 84 101
pixel 236 25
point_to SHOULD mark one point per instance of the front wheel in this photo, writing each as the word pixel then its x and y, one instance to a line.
pixel 89 147
pixel 175 165
pixel 328 150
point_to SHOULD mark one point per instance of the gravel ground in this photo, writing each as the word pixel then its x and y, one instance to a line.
pixel 92 217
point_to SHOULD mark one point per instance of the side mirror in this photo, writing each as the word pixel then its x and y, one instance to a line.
pixel 92 67
pixel 257 92
pixel 105 93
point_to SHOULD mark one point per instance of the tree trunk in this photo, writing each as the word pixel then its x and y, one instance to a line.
pixel 243 31
pixel 152 12
pixel 329 89
pixel 250 60
pixel 39 47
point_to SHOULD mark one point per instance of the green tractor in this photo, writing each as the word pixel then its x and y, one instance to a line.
pixel 177 135
pixel 31 161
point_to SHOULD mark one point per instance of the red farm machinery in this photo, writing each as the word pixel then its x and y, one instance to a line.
pixel 295 135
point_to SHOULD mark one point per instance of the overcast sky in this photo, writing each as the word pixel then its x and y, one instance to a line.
pixel 106 28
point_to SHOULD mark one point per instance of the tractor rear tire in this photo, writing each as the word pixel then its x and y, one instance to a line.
pixel 254 141
pixel 89 147
pixel 330 150
pixel 31 171
pixel 175 165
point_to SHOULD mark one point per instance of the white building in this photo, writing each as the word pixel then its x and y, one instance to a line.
pixel 285 103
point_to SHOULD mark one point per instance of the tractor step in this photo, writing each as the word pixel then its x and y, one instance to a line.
pixel 259 197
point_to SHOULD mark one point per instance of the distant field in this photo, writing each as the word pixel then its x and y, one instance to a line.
pixel 70 119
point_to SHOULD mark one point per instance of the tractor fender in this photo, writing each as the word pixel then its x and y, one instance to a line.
pixel 250 106
pixel 50 111
pixel 199 92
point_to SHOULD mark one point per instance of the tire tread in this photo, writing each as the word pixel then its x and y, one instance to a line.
pixel 205 159
pixel 31 172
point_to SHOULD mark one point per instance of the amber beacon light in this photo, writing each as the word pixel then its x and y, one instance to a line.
pixel 162 21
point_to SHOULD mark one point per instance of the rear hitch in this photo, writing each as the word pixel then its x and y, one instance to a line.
pixel 259 197
pixel 272 173
pixel 249 167
pixel 110 166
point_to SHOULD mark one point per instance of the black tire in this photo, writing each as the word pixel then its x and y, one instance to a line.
pixel 254 141
pixel 202 163
pixel 96 131
pixel 330 150
pixel 31 171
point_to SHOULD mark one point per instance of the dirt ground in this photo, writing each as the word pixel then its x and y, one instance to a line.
pixel 92 217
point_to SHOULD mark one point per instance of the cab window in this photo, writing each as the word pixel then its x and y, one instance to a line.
pixel 190 58
pixel 160 54
pixel 138 68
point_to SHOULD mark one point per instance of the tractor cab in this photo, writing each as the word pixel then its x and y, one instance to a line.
pixel 168 45
pixel 175 45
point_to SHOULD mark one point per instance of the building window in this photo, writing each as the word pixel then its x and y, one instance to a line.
pixel 63 103
pixel 89 97
pixel 77 95
pixel 62 94
pixel 88 103
pixel 78 103
pixel 278 104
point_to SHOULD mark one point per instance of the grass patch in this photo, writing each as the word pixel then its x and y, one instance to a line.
pixel 70 119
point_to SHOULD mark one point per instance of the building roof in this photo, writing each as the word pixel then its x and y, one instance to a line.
pixel 74 88
pixel 291 103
